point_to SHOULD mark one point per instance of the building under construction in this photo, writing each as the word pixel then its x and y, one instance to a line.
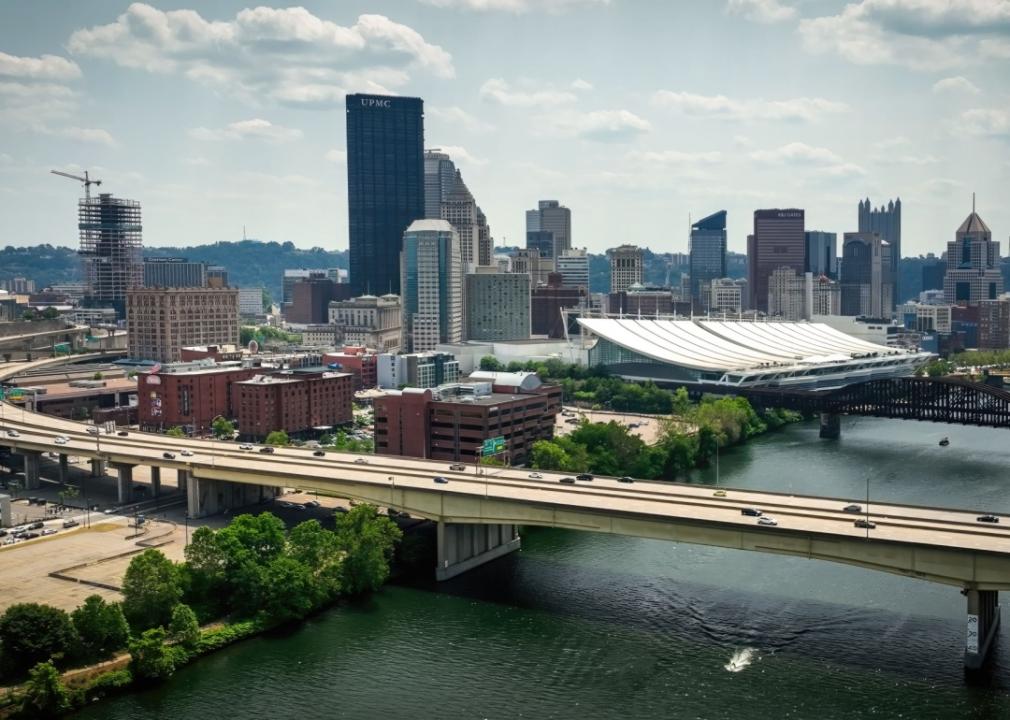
pixel 111 249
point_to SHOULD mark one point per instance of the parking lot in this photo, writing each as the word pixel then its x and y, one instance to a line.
pixel 647 427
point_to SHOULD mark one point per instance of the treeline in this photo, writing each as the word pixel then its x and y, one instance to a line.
pixel 686 442
pixel 252 572
pixel 975 358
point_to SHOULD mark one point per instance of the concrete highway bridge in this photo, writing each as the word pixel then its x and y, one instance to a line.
pixel 477 515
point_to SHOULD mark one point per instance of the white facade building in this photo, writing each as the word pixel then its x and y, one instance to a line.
pixel 626 267
pixel 573 264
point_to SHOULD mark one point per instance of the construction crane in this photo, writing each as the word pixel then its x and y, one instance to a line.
pixel 88 182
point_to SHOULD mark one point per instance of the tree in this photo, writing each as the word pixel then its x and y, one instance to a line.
pixel 367 540
pixel 45 695
pixel 50 313
pixel 268 301
pixel 151 589
pixel 547 455
pixel 97 376
pixel 278 438
pixel 67 492
pixel 490 363
pixel 317 548
pixel 184 628
pixel 176 432
pixel 31 633
pixel 150 658
pixel 101 627
pixel 288 591
pixel 223 429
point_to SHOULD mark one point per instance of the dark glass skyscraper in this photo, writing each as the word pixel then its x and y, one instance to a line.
pixel 385 186
pixel 779 240
pixel 886 222
pixel 708 251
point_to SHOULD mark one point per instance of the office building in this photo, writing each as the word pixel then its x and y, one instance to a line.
pixel 161 321
pixel 174 272
pixel 626 267
pixel 497 306
pixel 385 186
pixel 188 394
pixel 451 422
pixel 725 295
pixel 925 318
pixel 19 286
pixel 439 180
pixel 460 209
pixel 311 297
pixel 886 222
pixel 553 217
pixel 529 262
pixel 822 253
pixel 217 276
pixel 542 241
pixel 369 321
pixel 296 401
pixel 934 269
pixel 994 324
pixel 111 249
pixel 645 302
pixel 250 301
pixel 432 279
pixel 573 266
pixel 973 264
pixel 867 283
pixel 290 277
pixel 779 240
pixel 787 294
pixel 421 370
pixel 547 302
pixel 825 296
pixel 708 253
pixel 360 362
pixel 447 197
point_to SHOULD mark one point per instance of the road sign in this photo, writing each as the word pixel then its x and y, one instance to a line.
pixel 494 445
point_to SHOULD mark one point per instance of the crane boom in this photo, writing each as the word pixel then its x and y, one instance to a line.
pixel 87 181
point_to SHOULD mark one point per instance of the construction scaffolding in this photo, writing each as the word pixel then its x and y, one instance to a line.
pixel 111 248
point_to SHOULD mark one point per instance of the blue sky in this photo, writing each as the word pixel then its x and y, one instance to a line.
pixel 635 114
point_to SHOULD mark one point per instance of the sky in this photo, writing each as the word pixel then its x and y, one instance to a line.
pixel 639 115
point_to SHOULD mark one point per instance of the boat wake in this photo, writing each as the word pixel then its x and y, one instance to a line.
pixel 740 659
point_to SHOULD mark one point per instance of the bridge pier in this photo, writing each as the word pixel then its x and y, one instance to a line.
pixel 5 511
pixel 31 465
pixel 97 468
pixel 182 480
pixel 831 426
pixel 155 481
pixel 124 483
pixel 209 497
pixel 464 546
pixel 983 623
pixel 64 469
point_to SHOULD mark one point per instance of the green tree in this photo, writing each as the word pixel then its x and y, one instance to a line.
pixel 547 455
pixel 44 694
pixel 176 432
pixel 151 588
pixel 223 428
pixel 315 547
pixel 289 591
pixel 184 628
pixel 681 403
pixel 150 658
pixel 268 301
pixel 31 633
pixel 101 627
pixel 67 493
pixel 50 313
pixel 278 438
pixel 367 540
pixel 490 363
pixel 97 376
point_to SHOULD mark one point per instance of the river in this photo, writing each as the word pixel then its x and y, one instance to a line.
pixel 589 626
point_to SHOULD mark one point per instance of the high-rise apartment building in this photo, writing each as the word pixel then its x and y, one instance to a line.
pixel 867 283
pixel 626 267
pixel 497 306
pixel 385 186
pixel 886 222
pixel 573 264
pixel 779 240
pixel 822 253
pixel 162 321
pixel 431 274
pixel 973 263
pixel 708 253
pixel 551 216
pixel 111 249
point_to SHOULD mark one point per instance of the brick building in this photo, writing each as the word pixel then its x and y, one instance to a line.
pixel 546 303
pixel 188 395
pixel 162 321
pixel 452 421
pixel 311 298
pixel 295 401
pixel 360 362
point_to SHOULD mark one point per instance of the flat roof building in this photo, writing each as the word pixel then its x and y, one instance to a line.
pixel 431 275
pixel 296 401
pixel 161 321
pixel 779 240
pixel 497 306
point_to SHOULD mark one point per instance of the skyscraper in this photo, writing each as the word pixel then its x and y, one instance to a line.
pixel 385 186
pixel 973 263
pixel 886 222
pixel 553 217
pixel 626 267
pixel 439 178
pixel 460 209
pixel 542 241
pixel 867 282
pixel 111 249
pixel 497 306
pixel 822 253
pixel 431 275
pixel 447 197
pixel 573 265
pixel 708 253
pixel 779 240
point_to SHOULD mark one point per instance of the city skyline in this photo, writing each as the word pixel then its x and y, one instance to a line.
pixel 213 127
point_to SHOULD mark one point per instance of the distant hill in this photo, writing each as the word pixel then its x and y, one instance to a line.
pixel 45 264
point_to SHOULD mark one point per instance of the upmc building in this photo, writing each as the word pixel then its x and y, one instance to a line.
pixel 385 186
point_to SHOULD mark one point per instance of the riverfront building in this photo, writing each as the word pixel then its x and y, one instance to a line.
pixel 295 401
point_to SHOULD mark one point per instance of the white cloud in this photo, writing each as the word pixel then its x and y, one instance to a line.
pixel 675 157
pixel 457 118
pixel 499 91
pixel 256 129
pixel 460 154
pixel 47 67
pixel 514 6
pixel 580 84
pixel 88 135
pixel 763 11
pixel 942 186
pixel 984 122
pixel 336 156
pixel 957 84
pixel 823 161
pixel 603 125
pixel 287 55
pixel 722 107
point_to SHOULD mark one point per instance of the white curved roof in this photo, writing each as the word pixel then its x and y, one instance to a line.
pixel 733 346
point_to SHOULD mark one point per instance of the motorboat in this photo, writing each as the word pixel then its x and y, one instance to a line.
pixel 945 442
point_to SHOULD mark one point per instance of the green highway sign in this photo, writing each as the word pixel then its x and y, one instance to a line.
pixel 493 445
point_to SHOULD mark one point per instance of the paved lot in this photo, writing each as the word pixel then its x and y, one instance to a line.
pixel 649 426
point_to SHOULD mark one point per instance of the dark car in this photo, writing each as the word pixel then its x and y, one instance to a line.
pixel 2 532
pixel 752 512
pixel 70 523
pixel 37 525
pixel 567 480
pixel 865 524
pixel 319 453
pixel 440 480
pixel 122 433
pixel 267 449
pixel 584 477
pixel 987 518
pixel 626 479
pixel 30 535
pixel 853 508
pixel 168 456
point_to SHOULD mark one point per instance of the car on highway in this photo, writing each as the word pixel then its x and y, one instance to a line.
pixel 440 480
pixel 361 461
pixel 70 523
pixel 765 520
pixel 987 519
pixel 752 512
pixel 122 433
pixel 245 446
pixel 61 439
pixel 2 532
pixel 30 536
pixel 187 453
pixel 567 480
pixel 49 531
pixel 267 449
pixel 319 453
pixel 312 503
pixel 168 456
pixel 535 476
pixel 853 508
pixel 37 525
pixel 719 493
pixel 584 477
pixel 864 523
pixel 626 479
pixel 92 430
pixel 13 433
pixel 457 466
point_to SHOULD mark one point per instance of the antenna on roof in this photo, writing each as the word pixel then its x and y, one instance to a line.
pixel 973 203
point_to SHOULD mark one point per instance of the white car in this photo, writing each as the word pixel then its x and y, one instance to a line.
pixel 186 453
pixel 361 461
pixel 13 433
pixel 61 440
pixel 535 476
pixel 765 520
pixel 245 447
pixel 92 430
